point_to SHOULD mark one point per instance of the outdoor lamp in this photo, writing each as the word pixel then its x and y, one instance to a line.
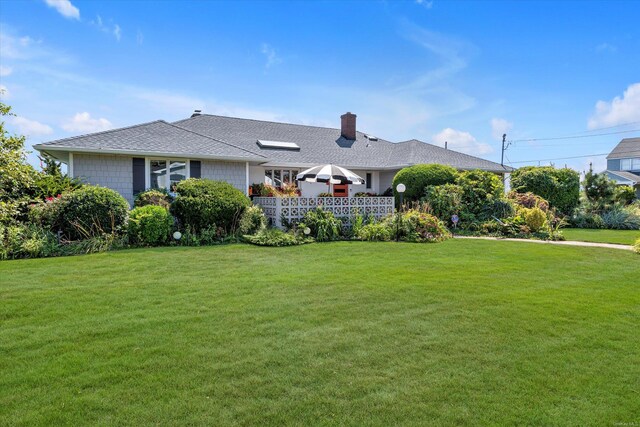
pixel 306 231
pixel 177 235
pixel 400 188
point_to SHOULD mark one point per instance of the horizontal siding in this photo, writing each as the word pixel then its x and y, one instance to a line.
pixel 232 172
pixel 115 172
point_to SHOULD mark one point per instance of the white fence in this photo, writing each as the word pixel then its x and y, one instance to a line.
pixel 293 209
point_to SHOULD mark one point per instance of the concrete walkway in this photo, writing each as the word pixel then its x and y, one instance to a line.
pixel 548 242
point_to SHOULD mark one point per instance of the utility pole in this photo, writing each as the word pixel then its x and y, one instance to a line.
pixel 504 139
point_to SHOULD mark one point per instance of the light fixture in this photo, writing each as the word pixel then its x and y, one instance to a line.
pixel 306 231
pixel 177 235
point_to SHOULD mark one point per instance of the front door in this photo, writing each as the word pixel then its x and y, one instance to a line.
pixel 340 190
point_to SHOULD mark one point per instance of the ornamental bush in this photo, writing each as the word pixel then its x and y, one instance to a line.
pixel 636 246
pixel 252 220
pixel 444 200
pixel 90 211
pixel 153 197
pixel 479 188
pixel 375 232
pixel 418 177
pixel 624 194
pixel 204 202
pixel 417 226
pixel 534 218
pixel 323 224
pixel 561 187
pixel 275 237
pixel 149 225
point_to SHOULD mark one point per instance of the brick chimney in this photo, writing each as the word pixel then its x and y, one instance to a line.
pixel 348 126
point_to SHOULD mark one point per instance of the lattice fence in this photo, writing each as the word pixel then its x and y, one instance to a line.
pixel 292 209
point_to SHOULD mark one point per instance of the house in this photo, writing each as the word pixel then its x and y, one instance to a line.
pixel 623 163
pixel 242 152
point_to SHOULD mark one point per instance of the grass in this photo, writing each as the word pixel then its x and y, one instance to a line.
pixel 622 237
pixel 466 332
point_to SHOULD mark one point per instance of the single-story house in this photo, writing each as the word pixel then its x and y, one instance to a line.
pixel 623 163
pixel 243 152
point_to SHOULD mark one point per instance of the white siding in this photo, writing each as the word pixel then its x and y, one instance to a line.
pixel 386 179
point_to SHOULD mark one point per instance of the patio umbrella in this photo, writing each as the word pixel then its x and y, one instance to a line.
pixel 329 173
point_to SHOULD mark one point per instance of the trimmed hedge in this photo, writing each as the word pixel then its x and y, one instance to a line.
pixel 560 187
pixel 203 203
pixel 418 177
pixel 149 225
pixel 153 197
pixel 90 211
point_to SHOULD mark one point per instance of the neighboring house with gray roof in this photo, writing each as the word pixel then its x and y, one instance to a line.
pixel 243 152
pixel 623 163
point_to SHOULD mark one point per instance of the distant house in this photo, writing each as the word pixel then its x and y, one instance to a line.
pixel 243 152
pixel 623 163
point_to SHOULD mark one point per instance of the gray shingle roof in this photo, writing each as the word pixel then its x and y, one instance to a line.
pixel 629 176
pixel 628 147
pixel 210 136
pixel 151 138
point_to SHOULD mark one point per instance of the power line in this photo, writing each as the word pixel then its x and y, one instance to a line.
pixel 572 157
pixel 574 136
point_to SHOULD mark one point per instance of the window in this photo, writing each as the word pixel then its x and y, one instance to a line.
pixel 630 164
pixel 368 180
pixel 167 173
pixel 280 177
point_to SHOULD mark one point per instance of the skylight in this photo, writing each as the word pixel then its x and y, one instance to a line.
pixel 281 145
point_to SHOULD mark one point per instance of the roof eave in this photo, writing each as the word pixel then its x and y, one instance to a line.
pixel 137 153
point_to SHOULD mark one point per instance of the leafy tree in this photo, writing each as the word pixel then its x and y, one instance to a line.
pixel 599 189
pixel 560 187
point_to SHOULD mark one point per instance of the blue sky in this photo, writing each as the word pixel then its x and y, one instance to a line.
pixel 464 72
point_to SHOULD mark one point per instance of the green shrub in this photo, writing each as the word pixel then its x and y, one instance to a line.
pixel 619 218
pixel 534 218
pixel 582 219
pixel 154 197
pixel 478 188
pixel 418 177
pixel 325 194
pixel 274 237
pixel 88 212
pixel 149 225
pixel 416 226
pixel 375 232
pixel 26 241
pixel 324 226
pixel 636 246
pixel 624 194
pixel 444 200
pixel 202 203
pixel 561 187
pixel 252 220
pixel 497 208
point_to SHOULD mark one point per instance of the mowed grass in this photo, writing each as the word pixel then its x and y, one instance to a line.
pixel 467 332
pixel 622 237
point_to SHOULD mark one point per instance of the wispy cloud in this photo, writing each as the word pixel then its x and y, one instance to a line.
pixel 619 110
pixel 606 48
pixel 4 92
pixel 461 141
pixel 139 37
pixel 428 4
pixel 83 122
pixel 65 8
pixel 499 127
pixel 270 54
pixel 5 71
pixel 30 127
pixel 107 28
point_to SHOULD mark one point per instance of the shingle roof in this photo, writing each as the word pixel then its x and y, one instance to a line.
pixel 210 136
pixel 629 176
pixel 326 145
pixel 628 147
pixel 158 137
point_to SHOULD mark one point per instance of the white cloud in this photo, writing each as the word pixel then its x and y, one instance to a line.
pixel 83 122
pixel 114 30
pixel 270 54
pixel 461 141
pixel 117 32
pixel 5 71
pixel 30 127
pixel 65 8
pixel 4 92
pixel 427 4
pixel 500 127
pixel 619 110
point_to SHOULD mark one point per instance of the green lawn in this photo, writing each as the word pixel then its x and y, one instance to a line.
pixel 623 237
pixel 467 332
